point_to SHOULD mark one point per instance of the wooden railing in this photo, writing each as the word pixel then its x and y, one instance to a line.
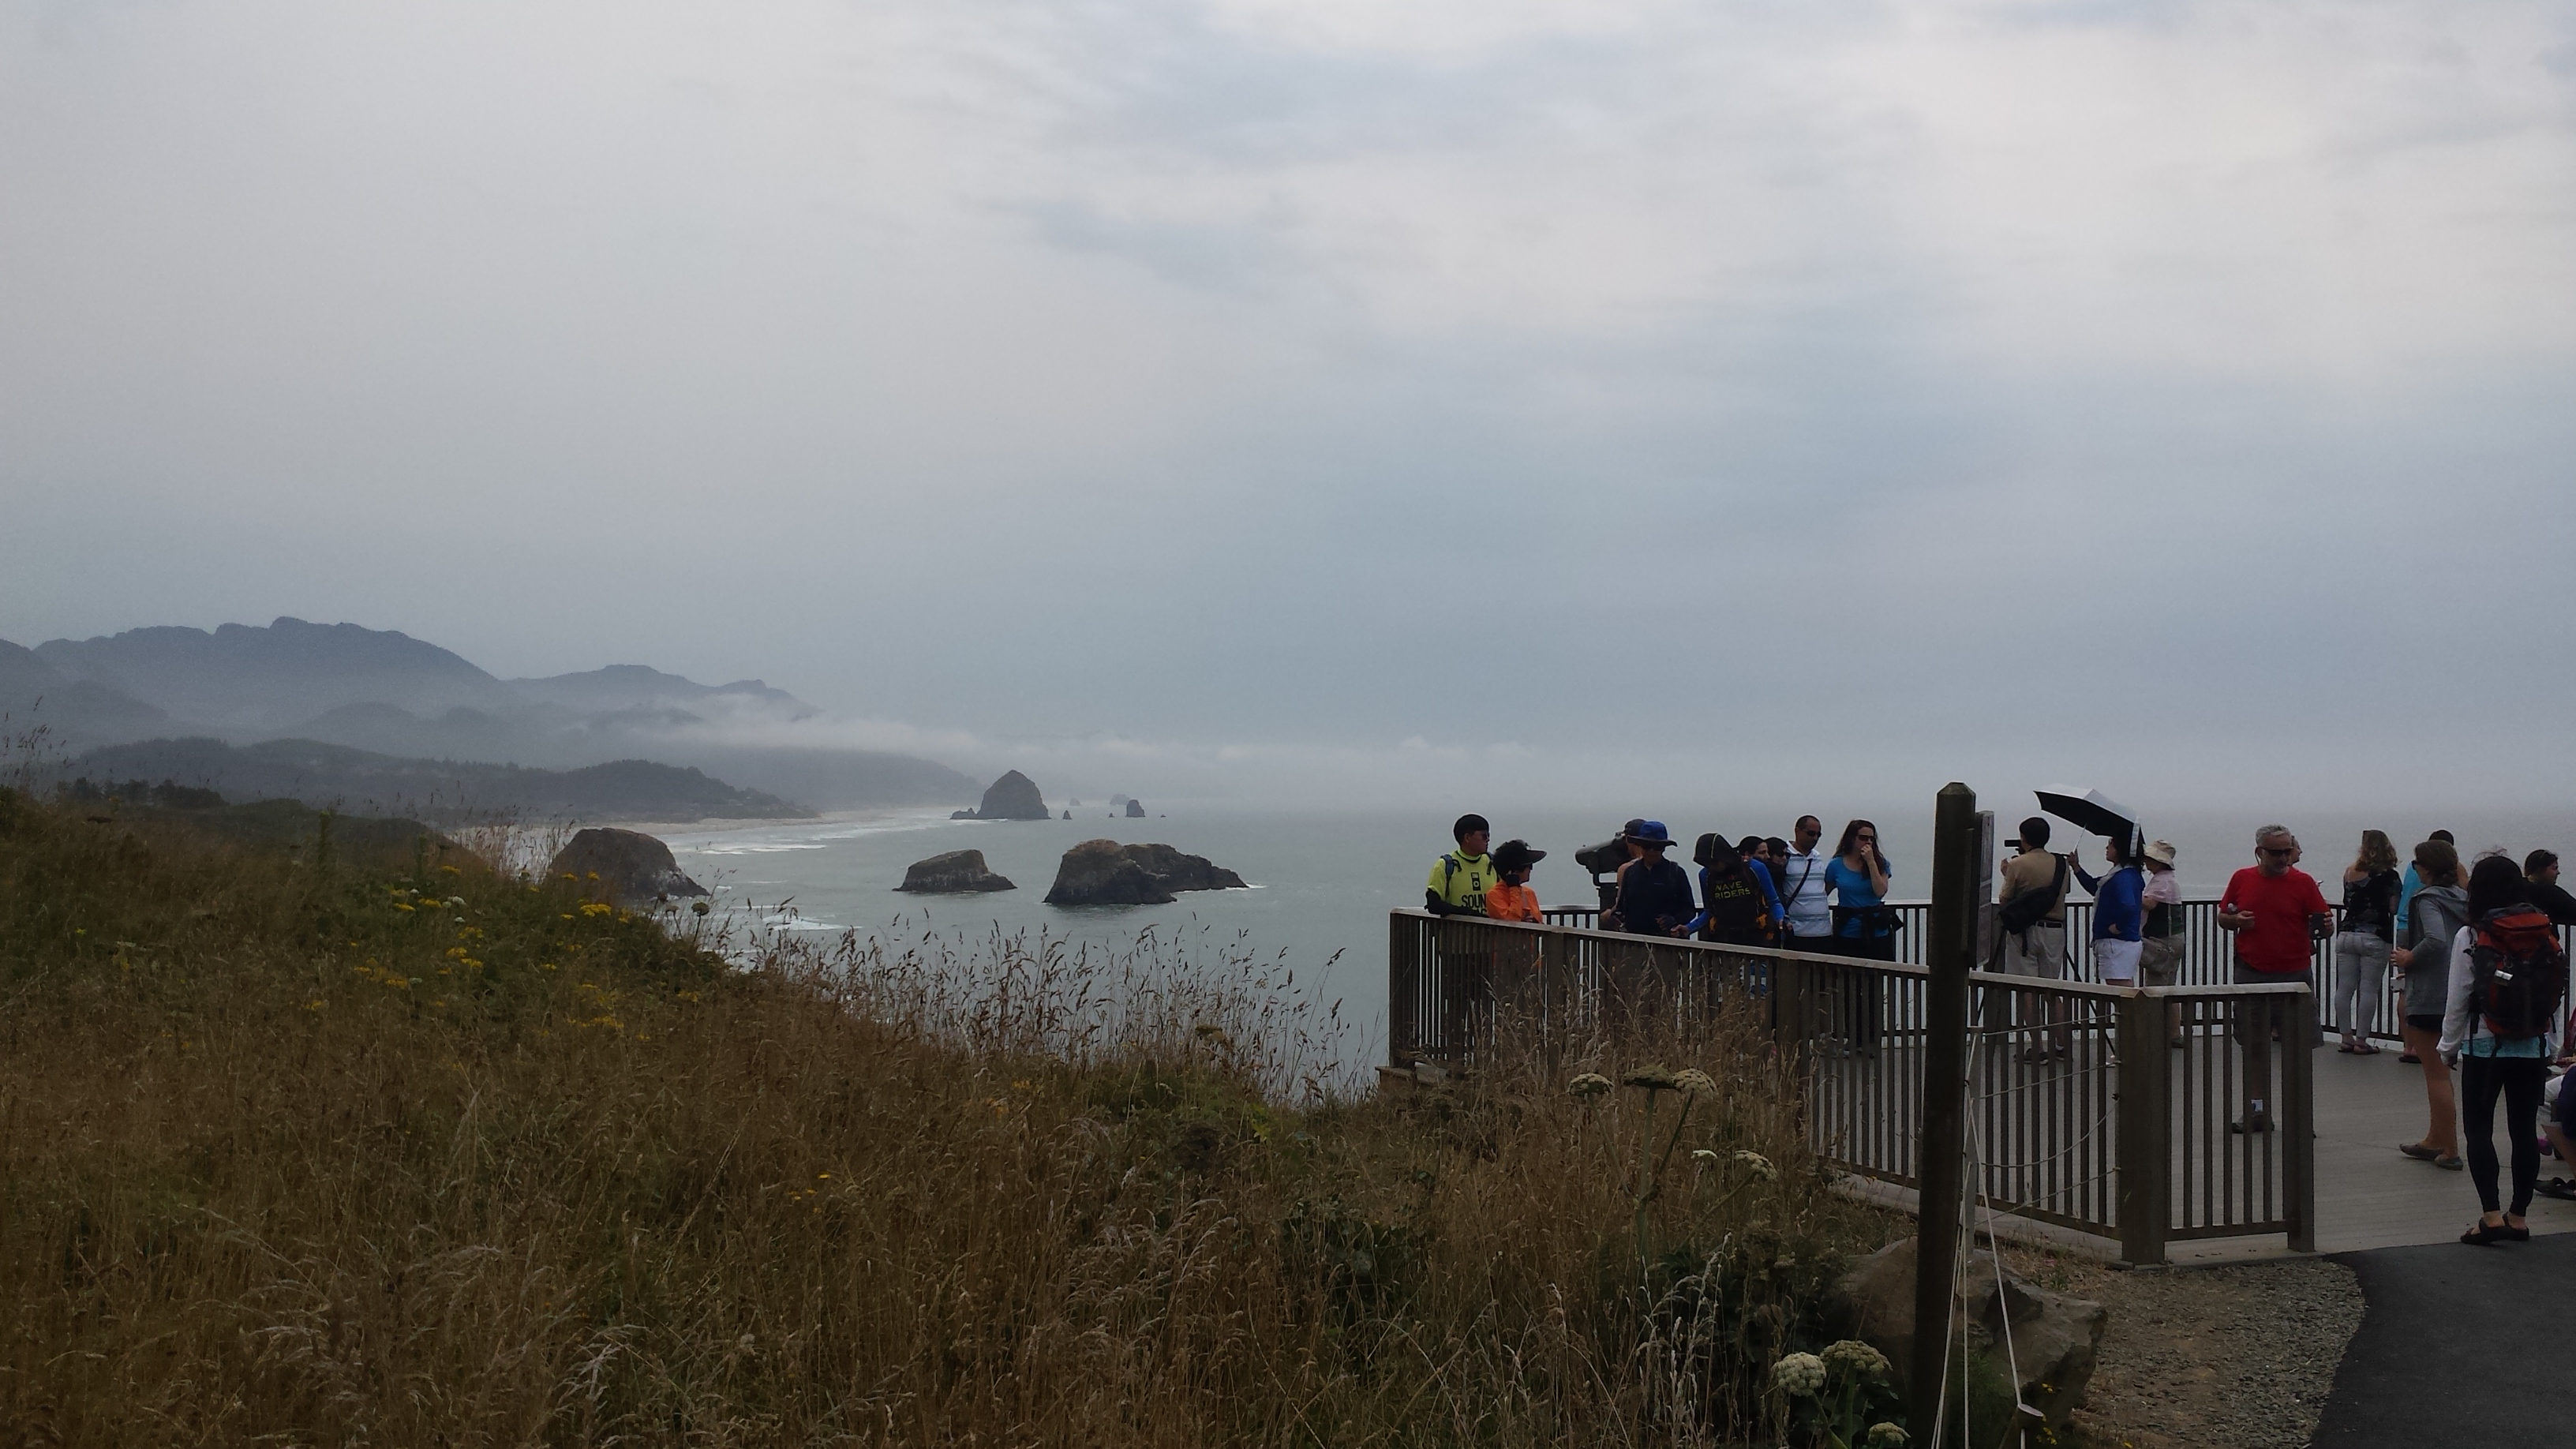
pixel 2121 1136
pixel 2207 958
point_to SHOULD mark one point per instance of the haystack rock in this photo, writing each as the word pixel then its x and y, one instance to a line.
pixel 1106 873
pixel 1135 809
pixel 1013 797
pixel 631 866
pixel 959 872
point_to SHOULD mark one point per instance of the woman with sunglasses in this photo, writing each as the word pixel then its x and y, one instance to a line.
pixel 1864 924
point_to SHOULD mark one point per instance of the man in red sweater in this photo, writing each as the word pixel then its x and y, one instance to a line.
pixel 2267 907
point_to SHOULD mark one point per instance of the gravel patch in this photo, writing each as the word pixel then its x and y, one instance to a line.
pixel 2233 1357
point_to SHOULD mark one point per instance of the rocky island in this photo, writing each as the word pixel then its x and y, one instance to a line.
pixel 629 866
pixel 1013 797
pixel 959 872
pixel 1106 873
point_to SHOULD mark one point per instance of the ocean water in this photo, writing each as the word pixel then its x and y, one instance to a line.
pixel 1323 880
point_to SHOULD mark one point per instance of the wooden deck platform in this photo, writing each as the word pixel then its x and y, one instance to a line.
pixel 2369 1196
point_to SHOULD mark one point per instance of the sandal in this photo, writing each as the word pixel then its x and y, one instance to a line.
pixel 2347 1048
pixel 2557 1187
pixel 2410 1059
pixel 2482 1232
pixel 2521 1234
pixel 2365 1050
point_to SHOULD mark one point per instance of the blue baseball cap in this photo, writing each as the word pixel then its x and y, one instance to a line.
pixel 1650 832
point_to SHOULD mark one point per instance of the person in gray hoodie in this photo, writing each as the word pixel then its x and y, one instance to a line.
pixel 2436 912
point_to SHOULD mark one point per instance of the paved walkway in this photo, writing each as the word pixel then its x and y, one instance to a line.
pixel 2368 1196
pixel 2457 1344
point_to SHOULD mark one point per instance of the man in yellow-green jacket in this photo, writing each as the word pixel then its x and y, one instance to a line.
pixel 1460 879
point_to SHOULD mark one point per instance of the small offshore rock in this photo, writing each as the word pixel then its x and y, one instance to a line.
pixel 631 866
pixel 1135 809
pixel 959 872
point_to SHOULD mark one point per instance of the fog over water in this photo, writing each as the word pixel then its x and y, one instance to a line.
pixel 1340 405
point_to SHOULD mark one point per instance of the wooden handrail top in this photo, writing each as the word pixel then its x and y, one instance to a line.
pixel 1995 979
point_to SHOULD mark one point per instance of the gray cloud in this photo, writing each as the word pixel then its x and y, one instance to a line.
pixel 1238 391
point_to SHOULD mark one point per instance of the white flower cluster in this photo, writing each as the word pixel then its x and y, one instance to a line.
pixel 1860 1358
pixel 1590 1084
pixel 1799 1375
pixel 1757 1164
pixel 1886 1435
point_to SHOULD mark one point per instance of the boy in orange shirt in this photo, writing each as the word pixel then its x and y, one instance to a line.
pixel 1513 900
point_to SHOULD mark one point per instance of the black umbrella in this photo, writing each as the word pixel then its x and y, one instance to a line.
pixel 2092 812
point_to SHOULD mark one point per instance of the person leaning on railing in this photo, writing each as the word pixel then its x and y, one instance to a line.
pixel 2270 909
pixel 1460 879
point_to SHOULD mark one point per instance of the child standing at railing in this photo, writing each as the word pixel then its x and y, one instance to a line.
pixel 1512 899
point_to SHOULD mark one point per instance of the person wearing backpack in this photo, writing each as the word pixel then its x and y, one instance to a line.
pixel 2030 921
pixel 1460 879
pixel 2439 908
pixel 2500 1029
pixel 2362 945
pixel 1738 905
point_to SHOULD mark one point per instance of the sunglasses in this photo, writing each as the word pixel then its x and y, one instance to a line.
pixel 2280 850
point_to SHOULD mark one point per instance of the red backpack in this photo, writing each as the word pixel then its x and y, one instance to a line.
pixel 2517 973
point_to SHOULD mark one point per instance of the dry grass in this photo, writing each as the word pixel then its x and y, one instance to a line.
pixel 318 1151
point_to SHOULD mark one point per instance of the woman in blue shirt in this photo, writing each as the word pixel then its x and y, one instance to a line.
pixel 1858 877
pixel 1864 926
pixel 2119 913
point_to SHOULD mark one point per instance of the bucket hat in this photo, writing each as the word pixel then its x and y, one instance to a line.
pixel 1650 832
pixel 2160 851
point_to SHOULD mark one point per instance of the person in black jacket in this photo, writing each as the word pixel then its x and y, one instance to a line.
pixel 2540 868
pixel 1654 894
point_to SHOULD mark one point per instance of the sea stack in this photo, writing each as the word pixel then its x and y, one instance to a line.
pixel 959 872
pixel 1013 797
pixel 1106 873
pixel 1135 808
pixel 631 867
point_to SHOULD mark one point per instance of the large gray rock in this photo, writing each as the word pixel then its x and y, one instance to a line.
pixel 1013 797
pixel 630 866
pixel 959 872
pixel 1106 873
pixel 2054 1337
pixel 1135 809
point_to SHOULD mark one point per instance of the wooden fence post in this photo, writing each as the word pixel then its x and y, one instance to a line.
pixel 2296 1121
pixel 1403 980
pixel 2145 1128
pixel 1949 949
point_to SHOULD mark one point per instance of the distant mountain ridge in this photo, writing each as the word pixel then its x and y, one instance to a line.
pixel 438 791
pixel 387 693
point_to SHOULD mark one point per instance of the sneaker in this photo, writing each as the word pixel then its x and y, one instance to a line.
pixel 2261 1124
pixel 2557 1187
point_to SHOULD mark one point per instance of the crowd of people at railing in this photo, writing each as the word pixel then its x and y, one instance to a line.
pixel 2484 969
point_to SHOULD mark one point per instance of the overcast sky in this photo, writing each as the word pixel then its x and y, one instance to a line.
pixel 1338 398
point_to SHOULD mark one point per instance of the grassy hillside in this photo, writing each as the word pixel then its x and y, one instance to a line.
pixel 303 1148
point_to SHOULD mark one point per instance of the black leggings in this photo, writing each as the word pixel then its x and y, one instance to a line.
pixel 2520 1080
